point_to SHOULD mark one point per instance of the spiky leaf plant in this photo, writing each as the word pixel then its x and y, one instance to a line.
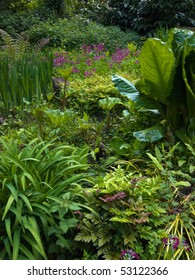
pixel 38 196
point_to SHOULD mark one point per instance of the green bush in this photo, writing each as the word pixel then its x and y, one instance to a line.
pixel 73 33
pixel 140 209
pixel 127 214
pixel 143 16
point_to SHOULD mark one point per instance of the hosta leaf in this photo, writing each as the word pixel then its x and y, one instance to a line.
pixel 157 67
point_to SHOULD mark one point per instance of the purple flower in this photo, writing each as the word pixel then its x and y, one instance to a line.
pixel 174 241
pixel 89 62
pixel 59 61
pixel 186 245
pixel 99 47
pixel 75 70
pixel 88 73
pixel 97 57
pixel 129 255
pixel 87 49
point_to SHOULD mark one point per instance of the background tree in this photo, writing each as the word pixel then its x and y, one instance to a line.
pixel 146 15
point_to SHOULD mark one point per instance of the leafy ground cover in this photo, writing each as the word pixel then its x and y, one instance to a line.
pixel 76 180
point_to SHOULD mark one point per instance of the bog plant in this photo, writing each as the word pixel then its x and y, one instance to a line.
pixel 166 86
pixel 24 79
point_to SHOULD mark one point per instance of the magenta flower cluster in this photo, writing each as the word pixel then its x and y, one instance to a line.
pixel 129 255
pixel 110 198
pixel 175 242
pixel 120 55
pixel 92 59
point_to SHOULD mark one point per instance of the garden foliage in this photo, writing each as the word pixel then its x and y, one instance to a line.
pixel 166 86
pixel 38 196
pixel 143 16
pixel 24 79
pixel 80 174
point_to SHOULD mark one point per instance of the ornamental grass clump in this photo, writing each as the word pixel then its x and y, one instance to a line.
pixel 24 79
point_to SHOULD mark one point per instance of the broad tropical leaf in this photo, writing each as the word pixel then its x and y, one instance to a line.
pixel 131 91
pixel 126 88
pixel 157 67
pixel 151 134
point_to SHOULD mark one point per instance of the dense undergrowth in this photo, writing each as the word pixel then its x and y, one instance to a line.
pixel 95 160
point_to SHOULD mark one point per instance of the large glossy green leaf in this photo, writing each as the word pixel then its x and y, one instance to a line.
pixel 151 134
pixel 157 67
pixel 126 88
pixel 178 39
pixel 132 92
pixel 188 69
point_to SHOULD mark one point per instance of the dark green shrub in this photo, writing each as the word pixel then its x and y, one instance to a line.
pixel 145 16
pixel 15 23
pixel 72 33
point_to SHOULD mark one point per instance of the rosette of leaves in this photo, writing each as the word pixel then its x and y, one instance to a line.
pixel 38 196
